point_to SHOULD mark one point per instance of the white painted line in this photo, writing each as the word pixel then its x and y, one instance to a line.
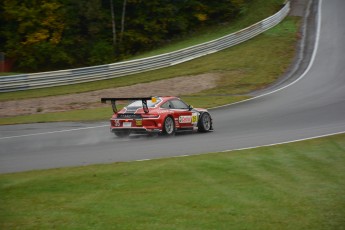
pixel 316 45
pixel 182 156
pixel 144 160
pixel 58 131
pixel 285 142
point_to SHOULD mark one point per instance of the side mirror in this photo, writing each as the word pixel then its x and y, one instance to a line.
pixel 190 107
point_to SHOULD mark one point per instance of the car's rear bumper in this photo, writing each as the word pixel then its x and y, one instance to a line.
pixel 136 130
pixel 136 125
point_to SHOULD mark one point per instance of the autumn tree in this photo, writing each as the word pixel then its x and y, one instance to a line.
pixel 58 34
pixel 33 32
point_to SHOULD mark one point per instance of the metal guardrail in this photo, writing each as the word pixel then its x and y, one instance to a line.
pixel 119 69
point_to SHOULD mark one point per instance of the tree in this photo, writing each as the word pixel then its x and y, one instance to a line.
pixel 123 19
pixel 33 32
pixel 57 34
pixel 113 22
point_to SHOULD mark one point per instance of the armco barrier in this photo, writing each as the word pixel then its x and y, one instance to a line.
pixel 101 72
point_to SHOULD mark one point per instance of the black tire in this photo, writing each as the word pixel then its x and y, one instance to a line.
pixel 169 126
pixel 205 122
pixel 122 133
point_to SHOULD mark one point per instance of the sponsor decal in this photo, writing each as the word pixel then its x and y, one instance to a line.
pixel 163 111
pixel 185 119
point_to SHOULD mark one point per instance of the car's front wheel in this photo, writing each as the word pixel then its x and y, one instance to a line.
pixel 205 122
pixel 169 126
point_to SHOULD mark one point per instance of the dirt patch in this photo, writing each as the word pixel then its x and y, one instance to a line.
pixel 174 87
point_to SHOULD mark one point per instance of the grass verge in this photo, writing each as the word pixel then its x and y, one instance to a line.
pixel 292 186
pixel 243 68
pixel 7 73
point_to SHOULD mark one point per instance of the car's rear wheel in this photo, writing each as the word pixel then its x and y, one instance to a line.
pixel 205 122
pixel 122 133
pixel 169 126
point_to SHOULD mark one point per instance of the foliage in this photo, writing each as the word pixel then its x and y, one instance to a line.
pixel 54 34
pixel 33 31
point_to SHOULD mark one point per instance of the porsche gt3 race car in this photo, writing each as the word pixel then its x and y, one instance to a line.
pixel 162 115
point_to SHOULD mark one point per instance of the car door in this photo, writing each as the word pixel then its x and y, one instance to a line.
pixel 184 118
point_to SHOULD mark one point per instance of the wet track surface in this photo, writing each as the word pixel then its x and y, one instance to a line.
pixel 314 105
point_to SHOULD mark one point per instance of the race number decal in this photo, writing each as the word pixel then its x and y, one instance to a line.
pixel 185 119
pixel 194 118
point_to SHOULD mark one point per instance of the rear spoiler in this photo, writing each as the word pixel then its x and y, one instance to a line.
pixel 113 101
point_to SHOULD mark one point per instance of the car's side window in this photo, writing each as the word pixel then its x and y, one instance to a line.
pixel 177 104
pixel 166 105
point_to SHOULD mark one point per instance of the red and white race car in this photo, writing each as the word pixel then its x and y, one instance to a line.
pixel 165 115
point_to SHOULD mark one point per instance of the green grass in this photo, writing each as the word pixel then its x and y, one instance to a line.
pixel 243 68
pixel 7 74
pixel 292 186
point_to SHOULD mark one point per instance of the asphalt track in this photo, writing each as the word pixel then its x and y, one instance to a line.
pixel 311 105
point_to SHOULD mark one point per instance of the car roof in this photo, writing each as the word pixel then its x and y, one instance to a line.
pixel 166 98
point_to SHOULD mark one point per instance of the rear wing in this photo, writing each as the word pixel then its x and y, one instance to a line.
pixel 113 101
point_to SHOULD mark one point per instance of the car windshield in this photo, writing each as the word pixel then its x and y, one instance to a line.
pixel 139 103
